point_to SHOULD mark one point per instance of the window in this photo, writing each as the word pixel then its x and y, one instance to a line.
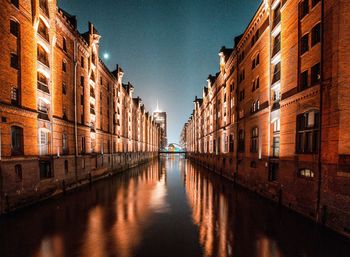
pixel 316 34
pixel 306 173
pixel 18 173
pixel 82 81
pixel 45 170
pixel 231 143
pixel 304 44
pixel 314 2
pixel 43 30
pixel 64 88
pixel 44 6
pixel 66 169
pixel 303 8
pixel 276 45
pixel 64 143
pixel 14 28
pixel 43 57
pixel 315 74
pixel 256 61
pixel 241 141
pixel 15 3
pixel 82 61
pixel 276 146
pixel 304 80
pixel 241 76
pixel 276 73
pixel 14 61
pixel 254 141
pixel 276 126
pixel 15 96
pixel 256 84
pixel 277 15
pixel 241 95
pixel 16 140
pixel 273 172
pixel 307 132
pixel 83 145
pixel 64 44
pixel 255 106
pixel 44 142
pixel 64 66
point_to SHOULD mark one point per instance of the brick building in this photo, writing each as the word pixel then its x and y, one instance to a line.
pixel 274 117
pixel 65 117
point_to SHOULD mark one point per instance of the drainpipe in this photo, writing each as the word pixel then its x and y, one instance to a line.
pixel 75 110
pixel 237 123
pixel 320 119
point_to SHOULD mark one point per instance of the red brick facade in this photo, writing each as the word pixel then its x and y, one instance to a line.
pixel 65 117
pixel 274 117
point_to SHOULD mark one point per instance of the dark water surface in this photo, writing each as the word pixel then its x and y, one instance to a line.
pixel 166 208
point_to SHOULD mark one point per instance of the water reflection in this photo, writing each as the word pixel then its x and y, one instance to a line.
pixel 234 222
pixel 167 208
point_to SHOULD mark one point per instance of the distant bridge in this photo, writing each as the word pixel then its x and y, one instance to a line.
pixel 173 149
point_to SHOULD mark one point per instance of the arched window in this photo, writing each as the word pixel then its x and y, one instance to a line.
pixel 14 28
pixel 307 132
pixel 16 140
pixel 254 140
pixel 43 30
pixel 18 172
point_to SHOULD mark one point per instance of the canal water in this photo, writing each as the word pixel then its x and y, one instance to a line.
pixel 166 208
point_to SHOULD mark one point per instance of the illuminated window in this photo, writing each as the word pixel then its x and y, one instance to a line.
pixel 14 96
pixel 306 173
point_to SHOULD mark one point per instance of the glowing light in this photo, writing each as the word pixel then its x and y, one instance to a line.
pixel 106 56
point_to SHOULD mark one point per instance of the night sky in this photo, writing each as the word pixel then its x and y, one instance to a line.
pixel 167 48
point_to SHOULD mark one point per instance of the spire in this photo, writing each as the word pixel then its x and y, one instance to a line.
pixel 157 109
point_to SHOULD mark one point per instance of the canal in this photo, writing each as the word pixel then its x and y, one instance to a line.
pixel 170 207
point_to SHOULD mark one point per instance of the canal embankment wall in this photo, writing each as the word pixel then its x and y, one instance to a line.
pixel 52 177
pixel 252 175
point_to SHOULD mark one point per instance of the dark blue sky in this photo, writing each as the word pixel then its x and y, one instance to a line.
pixel 167 48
